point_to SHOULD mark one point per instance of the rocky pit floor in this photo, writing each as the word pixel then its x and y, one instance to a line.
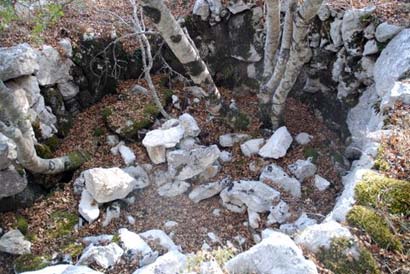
pixel 151 210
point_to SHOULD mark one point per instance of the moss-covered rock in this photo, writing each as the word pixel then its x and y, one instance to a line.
pixel 380 163
pixel 63 223
pixel 339 260
pixel 53 143
pixel 381 192
pixel 375 226
pixel 30 262
pixel 73 249
pixel 22 224
pixel 77 158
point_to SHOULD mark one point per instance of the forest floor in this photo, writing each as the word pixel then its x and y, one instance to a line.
pixel 151 210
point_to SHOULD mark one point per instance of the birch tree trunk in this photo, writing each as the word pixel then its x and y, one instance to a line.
pixel 300 53
pixel 272 26
pixel 180 45
pixel 15 125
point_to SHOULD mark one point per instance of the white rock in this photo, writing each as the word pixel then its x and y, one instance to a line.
pixel 64 269
pixel 321 235
pixel 196 91
pixel 140 175
pixel 321 183
pixel 191 163
pixel 127 155
pixel 170 263
pixel 68 89
pixel 156 141
pixel 53 68
pixel 188 143
pixel 254 219
pixel 108 184
pixel 336 32
pixel 213 237
pixel 133 243
pixel 88 207
pixel 102 239
pixel 228 140
pixel 208 190
pixel 208 173
pixel 112 212
pixel 303 169
pixel 210 267
pixel 352 28
pixel 254 195
pixel 301 223
pixel 65 45
pixel 277 254
pixel 173 189
pixel 13 242
pixel 104 256
pixel 112 140
pixel 279 213
pixel 399 92
pixel 131 220
pixel 369 31
pixel 370 48
pixel 393 62
pixel 252 147
pixel 17 61
pixel 216 212
pixel 277 176
pixel 161 238
pixel 303 138
pixel 201 8
pixel 324 12
pixel 30 86
pixel 277 145
pixel 225 156
pixel 386 31
pixel 190 125
pixel 170 224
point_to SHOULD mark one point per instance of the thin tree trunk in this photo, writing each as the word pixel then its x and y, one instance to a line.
pixel 19 129
pixel 300 53
pixel 147 61
pixel 272 25
pixel 179 43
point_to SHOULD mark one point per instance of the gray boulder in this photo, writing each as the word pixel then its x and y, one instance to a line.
pixel 252 147
pixel 208 190
pixel 12 182
pixel 228 140
pixel 173 189
pixel 277 145
pixel 170 263
pixel 53 68
pixel 254 195
pixel 140 175
pixel 303 169
pixel 276 175
pixel 17 61
pixel 13 242
pixel 104 256
pixel 276 254
pixel 386 31
pixel 188 164
pixel 108 184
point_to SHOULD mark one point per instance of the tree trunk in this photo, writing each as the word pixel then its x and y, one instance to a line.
pixel 180 45
pixel 272 26
pixel 16 126
pixel 300 53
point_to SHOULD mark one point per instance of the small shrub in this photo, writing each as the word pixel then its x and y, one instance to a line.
pixel 220 255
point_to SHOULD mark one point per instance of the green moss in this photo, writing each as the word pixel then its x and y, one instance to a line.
pixel 337 157
pixel 310 152
pixel 116 238
pixel 375 226
pixel 98 132
pixel 106 112
pixel 339 261
pixel 22 224
pixel 53 142
pixel 30 262
pixel 381 192
pixel 132 131
pixel 167 96
pixel 77 158
pixel 151 110
pixel 36 128
pixel 43 151
pixel 63 223
pixel 74 249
